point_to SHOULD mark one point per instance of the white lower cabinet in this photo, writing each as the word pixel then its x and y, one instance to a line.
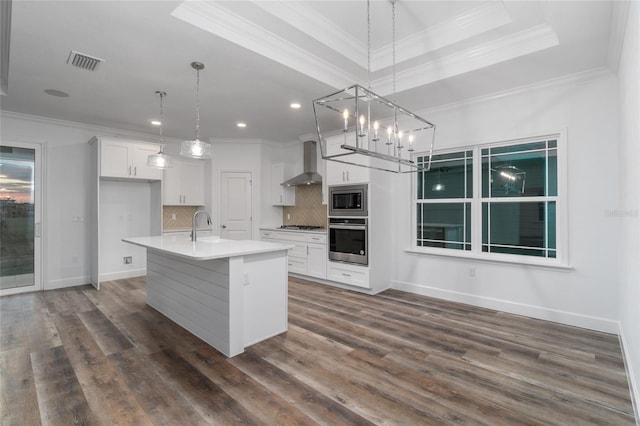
pixel 348 274
pixel 309 253
pixel 317 256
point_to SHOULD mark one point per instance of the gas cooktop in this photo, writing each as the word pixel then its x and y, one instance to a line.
pixel 301 227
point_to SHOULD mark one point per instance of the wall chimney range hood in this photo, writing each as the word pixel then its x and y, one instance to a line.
pixel 309 175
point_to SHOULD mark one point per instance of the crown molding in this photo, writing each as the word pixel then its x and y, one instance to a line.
pixel 619 18
pixel 306 20
pixel 239 141
pixel 459 28
pixel 523 43
pixel 91 128
pixel 218 20
pixel 567 80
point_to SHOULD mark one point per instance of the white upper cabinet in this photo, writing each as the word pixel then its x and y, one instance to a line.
pixel 184 184
pixel 127 159
pixel 340 173
pixel 281 195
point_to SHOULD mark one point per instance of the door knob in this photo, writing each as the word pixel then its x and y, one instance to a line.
pixel 224 226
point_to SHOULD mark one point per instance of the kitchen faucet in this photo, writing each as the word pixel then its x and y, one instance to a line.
pixel 194 221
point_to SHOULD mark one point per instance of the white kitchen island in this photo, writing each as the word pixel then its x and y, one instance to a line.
pixel 231 294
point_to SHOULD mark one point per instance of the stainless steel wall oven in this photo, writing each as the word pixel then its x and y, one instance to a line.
pixel 348 240
pixel 348 200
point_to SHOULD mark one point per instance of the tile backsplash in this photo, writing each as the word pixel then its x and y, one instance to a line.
pixel 308 210
pixel 183 217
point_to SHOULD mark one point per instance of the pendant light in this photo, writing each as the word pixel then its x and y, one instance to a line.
pixel 160 160
pixel 196 148
pixel 361 116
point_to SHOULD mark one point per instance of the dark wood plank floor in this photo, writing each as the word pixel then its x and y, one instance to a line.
pixel 79 356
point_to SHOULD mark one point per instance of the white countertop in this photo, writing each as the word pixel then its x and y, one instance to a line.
pixel 205 248
pixel 304 231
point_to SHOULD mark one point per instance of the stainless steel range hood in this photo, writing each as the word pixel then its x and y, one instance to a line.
pixel 309 174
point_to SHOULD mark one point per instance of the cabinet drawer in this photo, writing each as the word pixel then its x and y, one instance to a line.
pixel 291 236
pixel 317 238
pixel 297 265
pixel 350 275
pixel 298 250
pixel 267 235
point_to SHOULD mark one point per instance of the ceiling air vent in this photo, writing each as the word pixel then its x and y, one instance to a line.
pixel 83 61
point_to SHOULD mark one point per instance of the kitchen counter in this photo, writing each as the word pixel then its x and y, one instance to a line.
pixel 205 248
pixel 229 293
pixel 306 231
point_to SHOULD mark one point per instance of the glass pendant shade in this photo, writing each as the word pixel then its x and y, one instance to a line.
pixel 195 149
pixel 159 160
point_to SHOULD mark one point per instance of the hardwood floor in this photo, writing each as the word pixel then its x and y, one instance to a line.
pixel 79 356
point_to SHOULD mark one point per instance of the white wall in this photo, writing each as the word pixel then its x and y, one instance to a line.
pixel 628 207
pixel 66 250
pixel 584 296
pixel 125 211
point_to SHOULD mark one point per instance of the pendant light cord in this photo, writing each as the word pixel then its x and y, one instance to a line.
pixel 368 45
pixel 161 120
pixel 393 46
pixel 197 103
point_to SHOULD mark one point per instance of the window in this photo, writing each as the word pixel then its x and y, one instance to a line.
pixel 513 213
pixel 444 201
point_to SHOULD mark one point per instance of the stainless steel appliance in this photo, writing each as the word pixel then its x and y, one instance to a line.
pixel 348 200
pixel 348 240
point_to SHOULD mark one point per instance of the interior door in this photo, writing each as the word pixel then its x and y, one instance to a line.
pixel 235 205
pixel 20 217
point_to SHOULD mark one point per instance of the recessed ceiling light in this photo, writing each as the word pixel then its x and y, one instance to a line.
pixel 240 124
pixel 295 105
pixel 156 122
pixel 56 93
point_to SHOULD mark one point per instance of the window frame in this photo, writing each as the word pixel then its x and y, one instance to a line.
pixel 561 199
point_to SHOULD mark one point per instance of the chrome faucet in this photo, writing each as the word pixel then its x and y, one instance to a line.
pixel 194 221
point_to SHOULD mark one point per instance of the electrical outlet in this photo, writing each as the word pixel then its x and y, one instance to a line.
pixel 472 272
pixel 288 216
pixel 173 216
pixel 127 260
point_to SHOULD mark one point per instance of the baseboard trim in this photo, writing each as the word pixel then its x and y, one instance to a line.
pixel 628 365
pixel 67 282
pixel 568 318
pixel 120 275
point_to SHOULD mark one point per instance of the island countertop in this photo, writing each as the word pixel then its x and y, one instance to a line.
pixel 205 248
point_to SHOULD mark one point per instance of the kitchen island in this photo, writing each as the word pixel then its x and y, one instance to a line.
pixel 229 293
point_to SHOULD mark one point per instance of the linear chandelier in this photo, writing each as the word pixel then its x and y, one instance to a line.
pixel 356 126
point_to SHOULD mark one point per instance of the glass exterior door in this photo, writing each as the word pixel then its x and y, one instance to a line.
pixel 20 195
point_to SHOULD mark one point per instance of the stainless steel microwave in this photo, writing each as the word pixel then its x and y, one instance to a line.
pixel 348 200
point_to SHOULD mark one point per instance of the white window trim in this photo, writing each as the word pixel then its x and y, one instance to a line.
pixel 562 222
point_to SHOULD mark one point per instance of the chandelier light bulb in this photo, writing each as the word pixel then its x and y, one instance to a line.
pixel 376 125
pixel 345 116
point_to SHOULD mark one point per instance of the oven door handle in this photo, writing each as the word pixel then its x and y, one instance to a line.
pixel 354 227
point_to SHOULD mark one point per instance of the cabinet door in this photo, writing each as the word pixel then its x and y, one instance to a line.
pixel 357 174
pixel 317 260
pixel 280 195
pixel 193 183
pixel 172 185
pixel 115 160
pixel 140 153
pixel 340 173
